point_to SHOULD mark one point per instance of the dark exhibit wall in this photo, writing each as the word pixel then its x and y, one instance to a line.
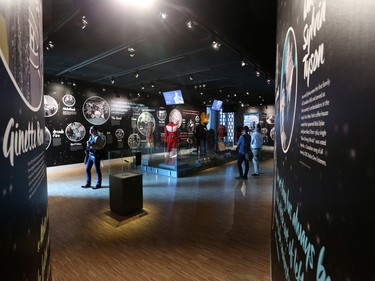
pixel 24 235
pixel 322 223
pixel 126 121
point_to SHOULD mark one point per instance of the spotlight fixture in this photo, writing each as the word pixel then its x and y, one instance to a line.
pixel 131 51
pixel 190 24
pixel 136 75
pixel 257 72
pixel 201 93
pixel 50 46
pixel 113 80
pixel 268 81
pixel 152 85
pixel 103 89
pixel 84 22
pixel 247 93
pixel 163 15
pixel 142 87
pixel 216 45
pixel 74 84
pixel 191 77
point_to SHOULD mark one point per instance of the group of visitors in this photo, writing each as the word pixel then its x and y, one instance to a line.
pixel 249 147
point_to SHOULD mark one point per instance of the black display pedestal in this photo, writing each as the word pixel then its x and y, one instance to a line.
pixel 125 193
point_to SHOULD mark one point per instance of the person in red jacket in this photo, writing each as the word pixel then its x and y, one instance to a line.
pixel 171 139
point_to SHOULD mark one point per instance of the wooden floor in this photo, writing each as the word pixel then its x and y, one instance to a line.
pixel 209 226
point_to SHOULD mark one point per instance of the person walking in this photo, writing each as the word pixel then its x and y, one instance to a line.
pixel 243 147
pixel 256 149
pixel 94 147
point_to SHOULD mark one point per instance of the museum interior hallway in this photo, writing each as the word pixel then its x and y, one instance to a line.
pixel 208 226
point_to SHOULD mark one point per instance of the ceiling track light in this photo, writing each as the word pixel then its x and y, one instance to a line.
pixel 152 85
pixel 84 22
pixel 268 81
pixel 257 72
pixel 163 15
pixel 113 80
pixel 136 75
pixel 142 87
pixel 191 77
pixel 131 52
pixel 215 44
pixel 50 46
pixel 190 24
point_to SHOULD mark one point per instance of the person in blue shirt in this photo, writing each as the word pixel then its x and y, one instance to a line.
pixel 94 145
pixel 256 148
pixel 243 147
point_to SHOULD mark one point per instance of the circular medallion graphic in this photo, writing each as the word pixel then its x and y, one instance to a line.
pixel 75 131
pixel 190 126
pixel 50 106
pixel 270 119
pixel 119 134
pixel 272 133
pixel 134 141
pixel 47 137
pixel 69 100
pixel 161 114
pixel 176 117
pixel 23 50
pixel 96 110
pixel 143 120
pixel 251 120
pixel 264 131
pixel 197 118
pixel 288 90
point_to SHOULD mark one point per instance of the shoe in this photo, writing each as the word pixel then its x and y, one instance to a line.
pixel 255 175
pixel 96 186
pixel 239 178
pixel 86 186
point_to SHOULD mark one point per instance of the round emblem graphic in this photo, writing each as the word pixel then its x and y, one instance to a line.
pixel 190 126
pixel 47 137
pixel 119 134
pixel 270 119
pixel 134 141
pixel 287 97
pixel 50 106
pixel 96 110
pixel 69 100
pixel 176 117
pixel 143 120
pixel 75 131
pixel 22 52
pixel 161 114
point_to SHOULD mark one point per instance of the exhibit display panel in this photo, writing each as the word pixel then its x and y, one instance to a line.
pixel 322 221
pixel 24 218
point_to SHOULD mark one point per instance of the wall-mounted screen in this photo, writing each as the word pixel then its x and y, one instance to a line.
pixel 173 97
pixel 217 104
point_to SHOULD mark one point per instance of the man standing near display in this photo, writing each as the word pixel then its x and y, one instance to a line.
pixel 243 147
pixel 93 151
pixel 256 148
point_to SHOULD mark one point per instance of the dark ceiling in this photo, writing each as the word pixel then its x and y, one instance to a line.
pixel 168 55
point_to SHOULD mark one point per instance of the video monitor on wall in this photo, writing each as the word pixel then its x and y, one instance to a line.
pixel 216 105
pixel 173 97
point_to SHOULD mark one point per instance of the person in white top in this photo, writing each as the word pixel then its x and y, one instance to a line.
pixel 256 148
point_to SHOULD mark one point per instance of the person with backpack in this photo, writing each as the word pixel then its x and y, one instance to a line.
pixel 93 156
pixel 243 147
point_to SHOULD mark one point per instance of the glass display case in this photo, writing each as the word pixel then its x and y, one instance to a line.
pixel 125 182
